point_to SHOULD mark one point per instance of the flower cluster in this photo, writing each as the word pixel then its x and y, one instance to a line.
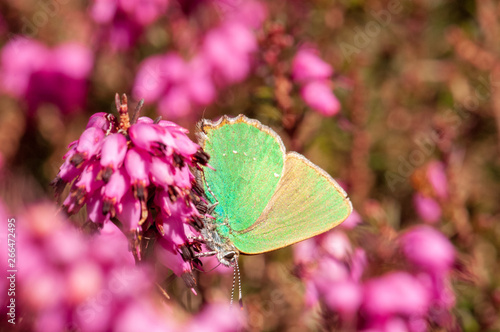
pixel 31 71
pixel 223 58
pixel 71 281
pixel 408 298
pixel 313 75
pixel 137 175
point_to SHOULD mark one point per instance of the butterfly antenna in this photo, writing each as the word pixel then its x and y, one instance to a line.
pixel 234 283
pixel 240 298
pixel 236 270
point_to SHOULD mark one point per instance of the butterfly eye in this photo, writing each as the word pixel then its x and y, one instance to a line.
pixel 229 256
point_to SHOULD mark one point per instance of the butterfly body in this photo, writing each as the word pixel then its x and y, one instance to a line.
pixel 263 198
pixel 225 252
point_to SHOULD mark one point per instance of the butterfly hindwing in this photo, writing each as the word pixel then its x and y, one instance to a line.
pixel 307 202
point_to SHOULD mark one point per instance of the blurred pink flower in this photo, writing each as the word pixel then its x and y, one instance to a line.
pixel 123 21
pixel 305 251
pixel 427 208
pixel 337 244
pixel 327 264
pixel 396 293
pixel 428 249
pixel 313 75
pixel 157 74
pixel 307 66
pixel 71 281
pixel 217 317
pixel 352 221
pixel 319 96
pixel 31 71
pixel 177 86
pixel 232 39
pixel 437 178
pixel 344 297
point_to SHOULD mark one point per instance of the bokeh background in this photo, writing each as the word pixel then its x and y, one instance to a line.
pixel 399 100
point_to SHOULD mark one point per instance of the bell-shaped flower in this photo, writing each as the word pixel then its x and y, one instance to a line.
pixel 137 166
pixel 161 173
pixel 427 208
pixel 88 145
pixel 307 65
pixel 114 149
pixel 396 293
pixel 130 211
pixel 114 190
pixel 319 96
pixel 428 250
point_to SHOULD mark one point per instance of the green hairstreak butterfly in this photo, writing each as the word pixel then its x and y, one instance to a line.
pixel 262 197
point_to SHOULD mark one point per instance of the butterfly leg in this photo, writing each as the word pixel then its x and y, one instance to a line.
pixel 211 208
pixel 206 254
pixel 197 238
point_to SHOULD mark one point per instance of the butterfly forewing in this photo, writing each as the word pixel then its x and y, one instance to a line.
pixel 248 163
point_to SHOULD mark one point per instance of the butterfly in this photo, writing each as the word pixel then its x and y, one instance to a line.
pixel 262 198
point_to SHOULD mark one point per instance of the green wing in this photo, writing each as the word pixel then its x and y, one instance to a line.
pixel 248 159
pixel 266 200
pixel 307 202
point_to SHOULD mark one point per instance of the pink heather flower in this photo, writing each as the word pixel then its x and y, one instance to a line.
pixel 308 66
pixel 218 317
pixel 145 11
pixel 305 252
pixel 157 74
pixel 175 84
pixel 396 293
pixel 337 244
pixel 101 120
pixel 175 104
pixel 319 96
pixel 358 264
pixel 40 75
pixel 123 21
pixel 428 250
pixel 327 261
pixel 224 57
pixel 114 149
pixel 72 281
pixel 145 316
pixel 427 208
pixel 344 297
pixel 175 262
pixel 114 168
pixel 313 74
pixel 20 58
pixel 88 145
pixel 352 221
pixel 232 39
pixel 437 178
pixel 129 211
pixel 200 86
pixel 137 163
